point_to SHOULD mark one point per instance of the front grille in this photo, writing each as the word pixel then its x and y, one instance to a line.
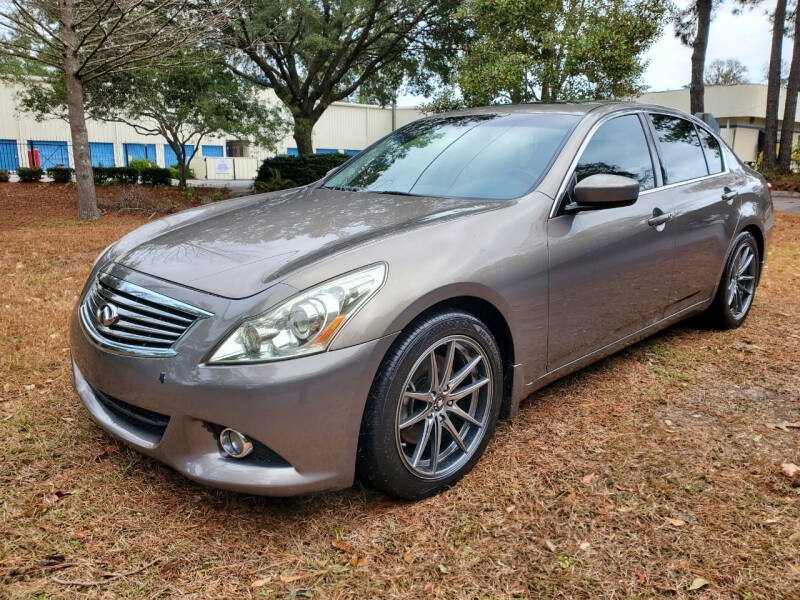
pixel 136 416
pixel 127 317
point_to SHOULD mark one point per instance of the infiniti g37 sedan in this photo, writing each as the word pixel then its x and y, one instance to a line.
pixel 377 323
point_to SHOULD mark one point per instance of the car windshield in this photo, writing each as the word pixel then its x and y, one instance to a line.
pixel 487 156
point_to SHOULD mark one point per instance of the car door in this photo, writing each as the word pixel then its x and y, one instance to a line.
pixel 700 194
pixel 610 269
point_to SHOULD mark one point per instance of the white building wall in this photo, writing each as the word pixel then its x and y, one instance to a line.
pixel 344 126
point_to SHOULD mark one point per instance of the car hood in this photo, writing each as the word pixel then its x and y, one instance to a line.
pixel 238 248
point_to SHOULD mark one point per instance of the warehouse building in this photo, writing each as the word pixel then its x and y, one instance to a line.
pixel 24 141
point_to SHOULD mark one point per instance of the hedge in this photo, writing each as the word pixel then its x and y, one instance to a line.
pixel 5 175
pixel 155 176
pixel 60 174
pixel 29 174
pixel 115 175
pixel 299 170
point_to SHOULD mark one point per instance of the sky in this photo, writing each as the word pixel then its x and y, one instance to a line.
pixel 746 37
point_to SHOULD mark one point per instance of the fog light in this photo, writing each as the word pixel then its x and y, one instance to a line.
pixel 235 443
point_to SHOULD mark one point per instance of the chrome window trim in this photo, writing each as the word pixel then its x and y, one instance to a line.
pixel 644 112
pixel 99 340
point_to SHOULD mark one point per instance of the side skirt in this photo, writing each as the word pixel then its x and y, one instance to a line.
pixel 610 349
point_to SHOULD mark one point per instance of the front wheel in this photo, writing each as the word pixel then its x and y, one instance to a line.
pixel 738 285
pixel 432 408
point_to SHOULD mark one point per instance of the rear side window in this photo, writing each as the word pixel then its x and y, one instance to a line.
pixel 618 147
pixel 679 147
pixel 712 150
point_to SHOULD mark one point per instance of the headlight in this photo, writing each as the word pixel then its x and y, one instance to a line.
pixel 302 325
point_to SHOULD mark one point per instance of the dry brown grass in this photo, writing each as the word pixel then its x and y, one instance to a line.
pixel 628 480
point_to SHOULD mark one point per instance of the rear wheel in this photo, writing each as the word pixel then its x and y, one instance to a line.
pixel 738 286
pixel 432 408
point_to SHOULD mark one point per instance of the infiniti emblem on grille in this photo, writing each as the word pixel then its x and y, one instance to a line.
pixel 106 314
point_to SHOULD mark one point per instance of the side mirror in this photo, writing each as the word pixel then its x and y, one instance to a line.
pixel 603 191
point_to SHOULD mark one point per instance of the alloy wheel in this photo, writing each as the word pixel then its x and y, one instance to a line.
pixel 446 405
pixel 742 281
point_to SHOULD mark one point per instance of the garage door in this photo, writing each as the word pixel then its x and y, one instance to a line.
pixel 8 155
pixel 102 154
pixel 170 158
pixel 139 151
pixel 212 151
pixel 51 154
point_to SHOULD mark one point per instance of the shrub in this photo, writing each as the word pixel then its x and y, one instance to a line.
pixel 155 176
pixel 30 174
pixel 274 185
pixel 124 174
pixel 174 172
pixel 60 174
pixel 101 174
pixel 5 175
pixel 140 164
pixel 301 170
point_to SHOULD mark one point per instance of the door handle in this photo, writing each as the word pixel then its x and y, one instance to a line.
pixel 659 219
pixel 728 194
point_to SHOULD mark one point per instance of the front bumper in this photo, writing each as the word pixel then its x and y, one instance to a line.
pixel 306 410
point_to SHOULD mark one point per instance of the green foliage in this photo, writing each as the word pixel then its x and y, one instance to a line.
pixel 140 164
pixel 5 175
pixel 126 175
pixel 555 50
pixel 29 174
pixel 155 176
pixel 297 170
pixel 175 172
pixel 315 53
pixel 60 174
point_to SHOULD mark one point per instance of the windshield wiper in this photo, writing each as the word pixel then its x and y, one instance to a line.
pixel 392 192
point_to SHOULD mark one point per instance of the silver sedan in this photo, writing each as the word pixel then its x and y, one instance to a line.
pixel 378 322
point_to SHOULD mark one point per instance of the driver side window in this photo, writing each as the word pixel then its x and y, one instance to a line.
pixel 618 147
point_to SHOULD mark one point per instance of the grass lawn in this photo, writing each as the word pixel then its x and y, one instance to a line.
pixel 653 469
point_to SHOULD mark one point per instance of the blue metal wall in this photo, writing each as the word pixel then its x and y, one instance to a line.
pixel 139 151
pixel 9 159
pixel 327 151
pixel 51 154
pixel 351 152
pixel 170 158
pixel 212 151
pixel 292 152
pixel 102 154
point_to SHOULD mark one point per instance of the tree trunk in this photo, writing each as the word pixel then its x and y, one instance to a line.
pixel 87 196
pixel 790 107
pixel 303 127
pixel 699 46
pixel 774 87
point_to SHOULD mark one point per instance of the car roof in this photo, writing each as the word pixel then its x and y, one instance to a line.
pixel 572 108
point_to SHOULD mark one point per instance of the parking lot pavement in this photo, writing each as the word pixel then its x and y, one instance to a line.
pixel 786 203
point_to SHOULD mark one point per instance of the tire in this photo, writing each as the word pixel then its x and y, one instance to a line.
pixel 395 424
pixel 731 306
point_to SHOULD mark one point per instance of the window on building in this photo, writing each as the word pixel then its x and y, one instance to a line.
pixel 618 147
pixel 679 147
